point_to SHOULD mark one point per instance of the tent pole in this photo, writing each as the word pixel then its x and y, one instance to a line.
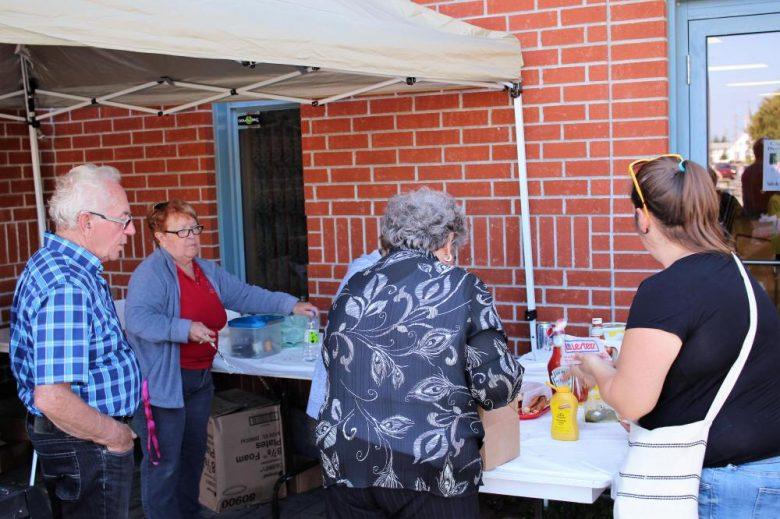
pixel 29 106
pixel 525 215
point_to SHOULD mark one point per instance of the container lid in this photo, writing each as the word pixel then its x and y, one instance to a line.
pixel 254 321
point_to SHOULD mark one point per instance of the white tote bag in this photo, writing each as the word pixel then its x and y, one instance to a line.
pixel 661 473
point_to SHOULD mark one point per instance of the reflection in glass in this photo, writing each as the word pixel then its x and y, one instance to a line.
pixel 743 83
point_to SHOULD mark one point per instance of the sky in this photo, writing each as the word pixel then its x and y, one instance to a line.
pixel 737 65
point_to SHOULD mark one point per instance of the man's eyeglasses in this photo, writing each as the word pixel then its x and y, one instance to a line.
pixel 635 166
pixel 124 222
pixel 185 233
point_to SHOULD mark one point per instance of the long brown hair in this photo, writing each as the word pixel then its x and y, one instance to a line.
pixel 683 199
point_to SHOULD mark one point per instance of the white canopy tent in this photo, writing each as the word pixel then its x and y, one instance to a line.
pixel 165 56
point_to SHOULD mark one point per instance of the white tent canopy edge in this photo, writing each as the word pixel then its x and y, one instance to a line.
pixel 366 47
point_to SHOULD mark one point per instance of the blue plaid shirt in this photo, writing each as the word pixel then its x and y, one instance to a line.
pixel 64 329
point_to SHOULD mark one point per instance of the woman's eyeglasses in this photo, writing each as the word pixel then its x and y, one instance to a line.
pixel 124 222
pixel 185 233
pixel 635 166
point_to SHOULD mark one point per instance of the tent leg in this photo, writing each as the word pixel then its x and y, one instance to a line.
pixel 29 105
pixel 525 219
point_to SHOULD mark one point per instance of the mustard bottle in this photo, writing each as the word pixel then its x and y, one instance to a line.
pixel 564 415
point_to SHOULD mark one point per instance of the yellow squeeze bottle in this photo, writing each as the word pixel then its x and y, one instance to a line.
pixel 564 415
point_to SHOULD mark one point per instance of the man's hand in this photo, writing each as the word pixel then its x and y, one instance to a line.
pixel 307 309
pixel 121 439
pixel 199 332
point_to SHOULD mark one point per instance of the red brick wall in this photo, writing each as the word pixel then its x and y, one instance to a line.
pixel 596 96
pixel 18 228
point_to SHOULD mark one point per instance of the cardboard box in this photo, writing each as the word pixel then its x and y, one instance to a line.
pixel 307 480
pixel 245 451
pixel 502 435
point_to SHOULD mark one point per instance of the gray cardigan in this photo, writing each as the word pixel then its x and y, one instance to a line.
pixel 155 329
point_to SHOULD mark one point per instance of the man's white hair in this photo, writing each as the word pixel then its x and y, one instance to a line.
pixel 83 188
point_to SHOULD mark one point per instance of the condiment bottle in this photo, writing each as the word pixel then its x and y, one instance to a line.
pixel 313 341
pixel 564 425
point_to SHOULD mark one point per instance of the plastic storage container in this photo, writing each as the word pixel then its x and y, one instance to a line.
pixel 256 336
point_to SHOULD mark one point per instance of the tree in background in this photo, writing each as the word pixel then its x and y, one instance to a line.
pixel 766 121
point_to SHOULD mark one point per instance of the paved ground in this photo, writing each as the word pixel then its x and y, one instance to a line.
pixel 310 505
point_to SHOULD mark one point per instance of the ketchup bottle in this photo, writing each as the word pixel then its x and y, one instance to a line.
pixel 556 371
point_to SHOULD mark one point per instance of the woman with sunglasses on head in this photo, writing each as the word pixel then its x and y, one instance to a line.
pixel 685 330
pixel 175 307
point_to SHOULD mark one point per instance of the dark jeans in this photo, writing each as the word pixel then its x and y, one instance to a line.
pixel 381 503
pixel 84 480
pixel 170 489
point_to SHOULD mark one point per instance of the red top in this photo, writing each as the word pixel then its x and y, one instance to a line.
pixel 199 302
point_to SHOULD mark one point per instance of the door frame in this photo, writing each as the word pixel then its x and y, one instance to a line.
pixel 227 163
pixel 683 64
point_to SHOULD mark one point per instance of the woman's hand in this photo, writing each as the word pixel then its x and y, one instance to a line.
pixel 199 332
pixel 307 309
pixel 586 367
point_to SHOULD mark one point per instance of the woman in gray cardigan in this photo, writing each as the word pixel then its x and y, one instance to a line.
pixel 175 306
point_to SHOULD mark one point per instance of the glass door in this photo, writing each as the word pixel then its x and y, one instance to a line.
pixel 734 101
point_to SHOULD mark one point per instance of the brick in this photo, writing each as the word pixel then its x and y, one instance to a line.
pixel 314 142
pixel 115 139
pixel 350 175
pixel 564 113
pixel 181 135
pixel 348 141
pixel 192 149
pixel 587 206
pixel 388 140
pixel 586 131
pixel 74 128
pixel 392 105
pixel 488 171
pixel 126 124
pixel 491 23
pixel 445 172
pixel 419 155
pixel 548 4
pixel 584 54
pixel 542 132
pixel 423 120
pixel 347 108
pixel 629 148
pixel 377 190
pixel 655 9
pixel 376 157
pixel 533 20
pixel 129 153
pixel 151 137
pixel 640 109
pixel 70 156
pixel 540 57
pixel 506 189
pixel 641 128
pixel 641 70
pixel 558 150
pixel 598 73
pixel 466 153
pixel 99 155
pixel 596 33
pixel 348 208
pixel 640 89
pixel 320 126
pixel 564 75
pixel 463 9
pixel 163 181
pixel 437 102
pixel 182 164
pixel 431 137
pixel 465 118
pixel 395 173
pixel 383 122
pixel 194 118
pixel 599 149
pixel 643 50
pixel 587 278
pixel 508 6
pixel 568 36
pixel 468 189
pixel 638 31
pixel 334 192
pixel 542 95
pixel 335 158
pixel 86 141
pixel 583 15
pixel 166 150
pixel 481 135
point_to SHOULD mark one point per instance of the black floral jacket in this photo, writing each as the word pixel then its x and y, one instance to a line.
pixel 412 348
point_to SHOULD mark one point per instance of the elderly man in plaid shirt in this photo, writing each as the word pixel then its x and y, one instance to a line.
pixel 76 373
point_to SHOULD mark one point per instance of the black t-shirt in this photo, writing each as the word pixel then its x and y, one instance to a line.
pixel 702 299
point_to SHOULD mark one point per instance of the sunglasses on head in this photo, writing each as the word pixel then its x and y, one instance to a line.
pixel 637 165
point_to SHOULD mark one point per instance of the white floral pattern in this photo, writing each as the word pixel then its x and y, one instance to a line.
pixel 412 349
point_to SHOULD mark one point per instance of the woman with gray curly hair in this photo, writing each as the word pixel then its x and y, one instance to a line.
pixel 413 348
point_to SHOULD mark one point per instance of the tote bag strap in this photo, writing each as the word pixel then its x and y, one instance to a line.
pixel 747 345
